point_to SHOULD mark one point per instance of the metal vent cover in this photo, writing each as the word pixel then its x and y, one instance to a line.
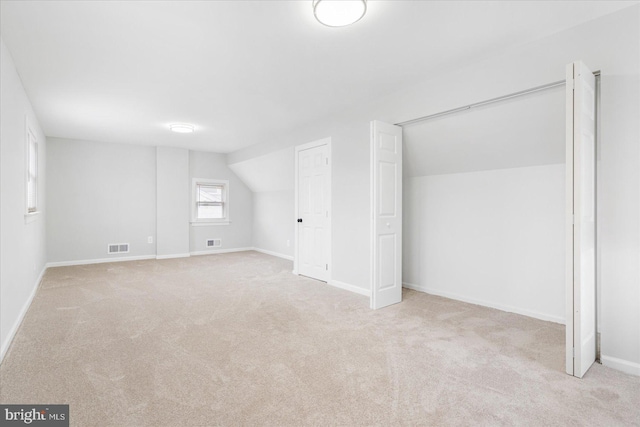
pixel 214 243
pixel 117 248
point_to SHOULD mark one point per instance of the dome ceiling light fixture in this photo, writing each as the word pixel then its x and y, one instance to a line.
pixel 339 13
pixel 182 128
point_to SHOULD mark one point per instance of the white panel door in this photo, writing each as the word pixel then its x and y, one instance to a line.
pixel 581 226
pixel 313 212
pixel 386 189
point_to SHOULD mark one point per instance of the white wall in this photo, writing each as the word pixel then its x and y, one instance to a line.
pixel 173 201
pixel 23 249
pixel 236 235
pixel 494 238
pixel 274 222
pixel 99 193
pixel 105 193
pixel 350 205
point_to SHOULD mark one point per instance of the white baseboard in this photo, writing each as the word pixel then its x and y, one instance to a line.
pixel 345 286
pixel 625 366
pixel 99 261
pixel 348 287
pixel 279 255
pixel 14 329
pixel 170 256
pixel 507 308
pixel 143 257
pixel 220 251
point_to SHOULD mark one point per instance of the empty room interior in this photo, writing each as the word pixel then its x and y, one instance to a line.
pixel 320 212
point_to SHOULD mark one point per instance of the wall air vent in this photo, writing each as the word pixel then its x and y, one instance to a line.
pixel 214 243
pixel 117 248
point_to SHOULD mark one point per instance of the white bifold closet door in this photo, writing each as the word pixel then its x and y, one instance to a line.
pixel 386 207
pixel 581 213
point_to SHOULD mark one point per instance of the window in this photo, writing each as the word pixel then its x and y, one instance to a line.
pixel 32 173
pixel 210 202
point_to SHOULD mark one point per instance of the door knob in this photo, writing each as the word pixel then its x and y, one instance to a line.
pixel 299 219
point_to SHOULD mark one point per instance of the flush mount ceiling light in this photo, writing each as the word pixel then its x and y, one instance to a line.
pixel 182 128
pixel 339 13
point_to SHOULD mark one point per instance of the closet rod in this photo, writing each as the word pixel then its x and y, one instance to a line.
pixel 489 101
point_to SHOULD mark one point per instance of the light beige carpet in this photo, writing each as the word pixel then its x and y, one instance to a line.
pixel 236 339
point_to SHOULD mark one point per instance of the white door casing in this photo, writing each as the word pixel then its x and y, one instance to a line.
pixel 313 210
pixel 386 209
pixel 581 226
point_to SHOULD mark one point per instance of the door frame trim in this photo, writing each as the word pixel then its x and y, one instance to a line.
pixel 298 148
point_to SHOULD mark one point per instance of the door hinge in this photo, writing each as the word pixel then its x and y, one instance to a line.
pixel 574 352
pixel 327 267
pixel 327 160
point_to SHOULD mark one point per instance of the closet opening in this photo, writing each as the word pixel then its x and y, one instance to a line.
pixel 486 197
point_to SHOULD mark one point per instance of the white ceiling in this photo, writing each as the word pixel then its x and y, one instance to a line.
pixel 242 71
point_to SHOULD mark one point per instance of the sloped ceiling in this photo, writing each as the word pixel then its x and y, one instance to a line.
pixel 245 72
pixel 524 131
pixel 271 172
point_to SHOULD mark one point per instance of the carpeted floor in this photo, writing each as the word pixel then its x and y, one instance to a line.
pixel 236 339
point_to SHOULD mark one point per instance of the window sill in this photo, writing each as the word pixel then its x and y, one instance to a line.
pixel 30 217
pixel 205 223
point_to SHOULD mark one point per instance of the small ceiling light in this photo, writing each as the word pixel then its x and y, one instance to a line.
pixel 339 13
pixel 182 128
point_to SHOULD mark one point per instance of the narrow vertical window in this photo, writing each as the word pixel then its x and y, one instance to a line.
pixel 32 173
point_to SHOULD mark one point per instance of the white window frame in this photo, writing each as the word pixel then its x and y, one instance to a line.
pixel 31 153
pixel 195 221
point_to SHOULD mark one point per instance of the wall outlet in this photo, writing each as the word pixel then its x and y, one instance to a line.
pixel 288 243
pixel 150 239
